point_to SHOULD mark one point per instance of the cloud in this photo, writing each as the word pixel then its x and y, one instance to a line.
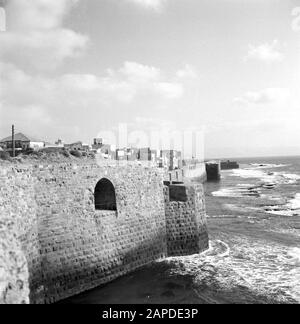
pixel 268 53
pixel 154 124
pixel 296 21
pixel 266 96
pixel 138 72
pixel 147 79
pixel 169 90
pixel 70 98
pixel 35 29
pixel 41 50
pixel 132 80
pixel 188 72
pixel 42 102
pixel 37 14
pixel 123 85
pixel 156 5
pixel 92 89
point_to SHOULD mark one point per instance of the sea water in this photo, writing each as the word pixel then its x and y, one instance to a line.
pixel 261 185
pixel 258 206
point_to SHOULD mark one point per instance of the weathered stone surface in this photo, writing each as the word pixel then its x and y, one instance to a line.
pixel 186 220
pixel 70 247
pixel 14 287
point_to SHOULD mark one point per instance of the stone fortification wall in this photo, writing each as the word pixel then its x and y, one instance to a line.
pixel 186 220
pixel 64 241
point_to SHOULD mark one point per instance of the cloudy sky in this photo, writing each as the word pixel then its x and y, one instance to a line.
pixel 72 68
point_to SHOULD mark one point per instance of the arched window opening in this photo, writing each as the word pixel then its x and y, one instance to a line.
pixel 105 196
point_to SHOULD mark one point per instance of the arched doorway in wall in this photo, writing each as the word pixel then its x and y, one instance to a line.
pixel 105 195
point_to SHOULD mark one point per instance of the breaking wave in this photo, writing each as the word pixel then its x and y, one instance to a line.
pixel 237 192
pixel 264 188
pixel 267 177
pixel 292 208
pixel 255 260
pixel 269 270
pixel 268 165
pixel 294 253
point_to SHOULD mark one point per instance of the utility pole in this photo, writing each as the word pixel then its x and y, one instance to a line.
pixel 13 141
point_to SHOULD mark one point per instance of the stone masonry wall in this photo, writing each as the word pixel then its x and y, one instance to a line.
pixel 14 276
pixel 65 246
pixel 14 286
pixel 186 220
pixel 71 247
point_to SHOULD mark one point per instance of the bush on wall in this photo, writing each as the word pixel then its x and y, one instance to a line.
pixel 4 155
pixel 76 154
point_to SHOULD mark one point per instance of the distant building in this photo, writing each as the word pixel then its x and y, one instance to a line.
pixel 59 143
pixel 127 154
pixel 155 156
pixel 146 154
pixel 136 154
pixel 23 143
pixel 97 144
pixel 52 148
pixel 121 155
pixel 170 159
pixel 107 152
pixel 132 154
pixel 78 146
pixel 86 147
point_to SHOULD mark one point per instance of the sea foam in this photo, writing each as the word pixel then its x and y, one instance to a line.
pixel 292 208
pixel 294 253
pixel 268 165
pixel 267 177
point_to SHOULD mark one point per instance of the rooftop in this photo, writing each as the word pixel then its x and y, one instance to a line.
pixel 20 137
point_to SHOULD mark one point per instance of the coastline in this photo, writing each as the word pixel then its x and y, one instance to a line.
pixel 244 265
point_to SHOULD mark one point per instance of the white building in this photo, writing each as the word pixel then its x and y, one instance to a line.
pixel 23 143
